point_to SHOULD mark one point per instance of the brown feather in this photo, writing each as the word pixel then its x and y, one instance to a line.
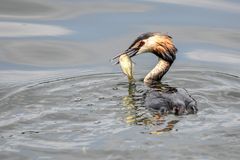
pixel 165 48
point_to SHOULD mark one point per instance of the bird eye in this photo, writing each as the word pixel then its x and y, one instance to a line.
pixel 141 44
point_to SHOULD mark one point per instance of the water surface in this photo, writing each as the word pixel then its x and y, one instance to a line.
pixel 61 98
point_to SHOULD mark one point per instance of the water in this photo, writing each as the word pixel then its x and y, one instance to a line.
pixel 61 98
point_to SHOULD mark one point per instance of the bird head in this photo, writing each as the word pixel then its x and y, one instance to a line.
pixel 159 44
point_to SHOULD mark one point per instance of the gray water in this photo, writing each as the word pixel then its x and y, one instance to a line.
pixel 62 98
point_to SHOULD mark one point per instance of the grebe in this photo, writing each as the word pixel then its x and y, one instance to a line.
pixel 161 97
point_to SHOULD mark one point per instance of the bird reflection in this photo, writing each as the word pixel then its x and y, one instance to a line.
pixel 138 114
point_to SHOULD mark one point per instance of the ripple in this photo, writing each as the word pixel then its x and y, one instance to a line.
pixel 91 112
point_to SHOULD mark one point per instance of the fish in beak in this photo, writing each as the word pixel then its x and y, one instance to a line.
pixel 126 66
pixel 130 52
pixel 124 59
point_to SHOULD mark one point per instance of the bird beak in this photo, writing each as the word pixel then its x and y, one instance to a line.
pixel 130 52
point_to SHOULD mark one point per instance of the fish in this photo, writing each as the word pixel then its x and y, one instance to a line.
pixel 126 66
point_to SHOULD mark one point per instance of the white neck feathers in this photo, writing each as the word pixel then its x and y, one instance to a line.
pixel 157 72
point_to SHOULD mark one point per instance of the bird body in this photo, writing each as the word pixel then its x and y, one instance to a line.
pixel 170 100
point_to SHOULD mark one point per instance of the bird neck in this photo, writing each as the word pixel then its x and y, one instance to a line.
pixel 157 72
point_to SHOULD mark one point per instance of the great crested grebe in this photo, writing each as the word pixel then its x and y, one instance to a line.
pixel 160 97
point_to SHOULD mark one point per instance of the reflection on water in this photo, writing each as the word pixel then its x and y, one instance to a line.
pixel 54 9
pixel 13 29
pixel 54 105
pixel 211 56
pixel 150 106
pixel 134 103
pixel 138 114
pixel 50 38
pixel 46 53
pixel 94 115
pixel 229 6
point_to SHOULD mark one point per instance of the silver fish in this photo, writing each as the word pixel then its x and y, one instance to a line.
pixel 126 66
